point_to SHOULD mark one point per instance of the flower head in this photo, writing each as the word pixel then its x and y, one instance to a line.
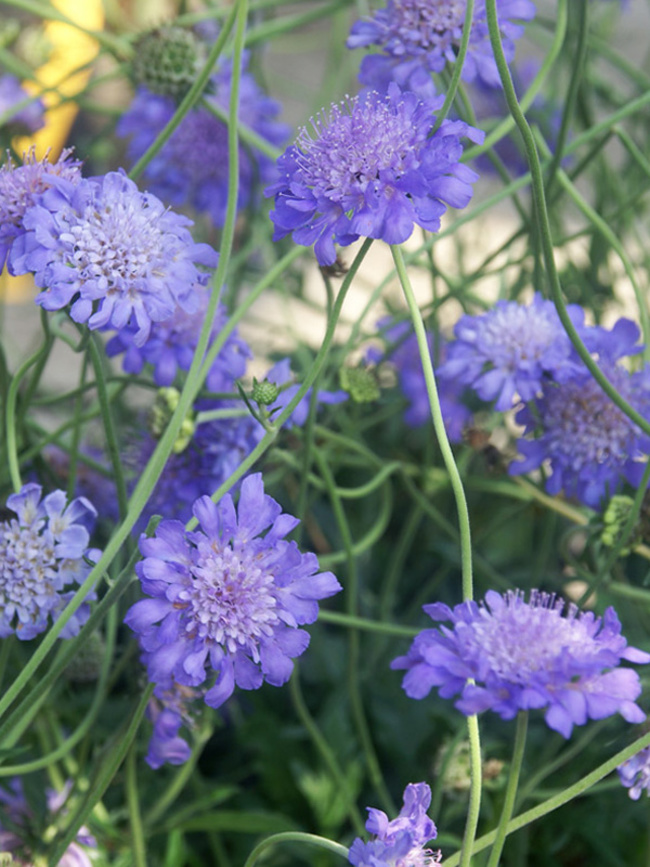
pixel 634 774
pixel 371 167
pixel 592 446
pixel 192 167
pixel 168 710
pixel 524 655
pixel 400 842
pixel 226 598
pixel 418 37
pixel 20 187
pixel 20 121
pixel 42 551
pixel 172 342
pixel 21 832
pixel 509 352
pixel 116 255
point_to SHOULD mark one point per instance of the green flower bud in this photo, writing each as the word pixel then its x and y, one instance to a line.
pixel 167 60
pixel 86 665
pixel 360 383
pixel 614 520
pixel 161 412
pixel 265 393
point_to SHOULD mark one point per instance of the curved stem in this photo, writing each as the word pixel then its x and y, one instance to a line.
pixel 295 837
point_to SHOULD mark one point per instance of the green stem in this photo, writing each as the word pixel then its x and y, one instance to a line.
pixel 348 620
pixel 324 748
pixel 556 801
pixel 439 424
pixel 458 66
pixel 511 790
pixel 295 837
pixel 138 846
pixel 465 535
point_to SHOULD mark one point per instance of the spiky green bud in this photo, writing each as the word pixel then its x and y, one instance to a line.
pixel 614 519
pixel 161 412
pixel 265 392
pixel 86 665
pixel 166 60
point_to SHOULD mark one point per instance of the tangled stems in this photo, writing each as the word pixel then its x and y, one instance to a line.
pixel 465 535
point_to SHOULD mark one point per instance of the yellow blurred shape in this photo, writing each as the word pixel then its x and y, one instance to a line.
pixel 72 49
pixel 16 290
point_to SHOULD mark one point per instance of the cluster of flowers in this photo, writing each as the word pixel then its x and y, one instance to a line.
pixel 518 356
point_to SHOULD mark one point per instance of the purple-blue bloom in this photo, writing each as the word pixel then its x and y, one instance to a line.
pixel 168 711
pixel 192 167
pixel 418 37
pixel 400 842
pixel 42 551
pixel 20 187
pixel 635 774
pixel 116 255
pixel 405 357
pixel 225 598
pixel 24 120
pixel 592 446
pixel 524 655
pixel 171 344
pixel 508 352
pixel 370 167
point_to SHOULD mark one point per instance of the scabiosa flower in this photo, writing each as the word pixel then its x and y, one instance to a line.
pixel 510 351
pixel 405 357
pixel 418 37
pixel 371 167
pixel 42 551
pixel 226 598
pixel 20 121
pixel 116 255
pixel 525 655
pixel 192 167
pixel 592 446
pixel 634 774
pixel 21 832
pixel 171 344
pixel 401 842
pixel 21 185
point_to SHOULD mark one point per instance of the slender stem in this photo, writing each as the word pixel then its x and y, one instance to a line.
pixel 324 748
pixel 458 66
pixel 511 790
pixel 465 535
pixel 439 424
pixel 138 846
pixel 295 837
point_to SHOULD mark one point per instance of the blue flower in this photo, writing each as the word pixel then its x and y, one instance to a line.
pixel 524 655
pixel 42 551
pixel 418 37
pixel 25 120
pixel 116 255
pixel 227 599
pixel 171 344
pixel 634 774
pixel 20 186
pixel 192 167
pixel 168 711
pixel 371 167
pixel 509 352
pixel 592 446
pixel 401 842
